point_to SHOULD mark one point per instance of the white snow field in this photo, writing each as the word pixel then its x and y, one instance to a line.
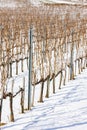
pixel 65 110
pixel 14 4
pixel 61 1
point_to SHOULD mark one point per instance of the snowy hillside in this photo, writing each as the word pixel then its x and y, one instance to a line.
pixel 15 3
pixel 65 110
pixel 37 2
pixel 7 4
pixel 57 45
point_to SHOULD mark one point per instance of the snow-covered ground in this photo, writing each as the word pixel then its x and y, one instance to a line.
pixel 65 110
pixel 10 4
pixel 13 3
pixel 64 1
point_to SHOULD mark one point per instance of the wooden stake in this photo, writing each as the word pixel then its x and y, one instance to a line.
pixel 48 87
pixel 53 83
pixel 60 80
pixel 41 94
pixel 16 67
pixel 11 107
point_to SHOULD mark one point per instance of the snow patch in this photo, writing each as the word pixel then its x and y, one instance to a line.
pixel 65 110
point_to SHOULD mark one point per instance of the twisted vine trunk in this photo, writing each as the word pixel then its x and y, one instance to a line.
pixel 11 107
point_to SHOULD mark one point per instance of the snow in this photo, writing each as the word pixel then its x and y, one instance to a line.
pixel 65 110
pixel 65 1
pixel 35 2
pixel 13 4
pixel 8 4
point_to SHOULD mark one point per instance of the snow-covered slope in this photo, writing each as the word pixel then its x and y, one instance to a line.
pixel 10 4
pixel 13 3
pixel 65 110
pixel 35 2
pixel 65 1
pixel 7 4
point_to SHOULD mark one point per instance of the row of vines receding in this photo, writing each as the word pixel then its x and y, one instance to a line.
pixel 59 48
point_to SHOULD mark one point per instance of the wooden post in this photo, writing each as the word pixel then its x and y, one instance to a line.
pixel 66 49
pixel 2 74
pixel 60 80
pixel 22 100
pixel 65 76
pixel 71 59
pixel 10 69
pixel 53 83
pixel 7 69
pixel 11 107
pixel 79 66
pixel 11 102
pixel 48 87
pixel 3 79
pixel 41 94
pixel 30 71
pixel 22 65
pixel 16 67
pixel 0 109
pixel 22 96
pixel 1 101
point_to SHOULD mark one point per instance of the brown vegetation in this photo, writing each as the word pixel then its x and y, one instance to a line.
pixel 59 41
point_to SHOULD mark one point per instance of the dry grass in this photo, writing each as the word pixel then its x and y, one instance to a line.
pixel 1 124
